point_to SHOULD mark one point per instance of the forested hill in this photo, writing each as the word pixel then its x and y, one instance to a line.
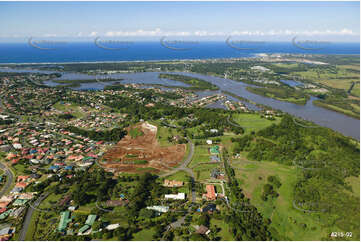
pixel 324 160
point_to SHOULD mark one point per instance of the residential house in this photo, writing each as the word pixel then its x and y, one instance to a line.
pixel 116 203
pixel 203 230
pixel 112 226
pixel 65 200
pixel 172 183
pixel 211 194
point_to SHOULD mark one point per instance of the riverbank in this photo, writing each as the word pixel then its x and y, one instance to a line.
pixel 275 94
pixel 321 104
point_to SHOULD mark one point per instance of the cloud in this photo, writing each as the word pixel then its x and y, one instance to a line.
pixel 157 32
pixel 93 34
pixel 201 33
pixel 50 35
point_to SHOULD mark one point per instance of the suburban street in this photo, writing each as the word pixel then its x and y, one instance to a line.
pixel 29 214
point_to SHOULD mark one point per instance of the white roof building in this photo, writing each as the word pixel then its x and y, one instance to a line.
pixel 161 209
pixel 179 196
pixel 17 146
pixel 112 226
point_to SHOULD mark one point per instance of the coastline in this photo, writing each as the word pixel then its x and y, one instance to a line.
pixel 131 61
pixel 252 55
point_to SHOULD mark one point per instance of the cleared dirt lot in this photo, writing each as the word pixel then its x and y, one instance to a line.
pixel 133 154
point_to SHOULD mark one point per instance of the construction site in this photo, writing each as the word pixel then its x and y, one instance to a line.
pixel 140 150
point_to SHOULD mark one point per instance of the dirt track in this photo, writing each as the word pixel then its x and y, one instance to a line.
pixel 125 155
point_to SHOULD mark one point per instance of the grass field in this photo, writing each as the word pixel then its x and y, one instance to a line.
pixel 178 176
pixel 19 169
pixel 203 171
pixel 163 133
pixel 341 80
pixel 339 109
pixel 201 154
pixel 224 233
pixel 50 201
pixel 252 122
pixel 288 222
pixel 74 109
pixel 279 93
pixel 356 90
pixel 144 235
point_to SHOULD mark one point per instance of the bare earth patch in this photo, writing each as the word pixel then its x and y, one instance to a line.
pixel 137 153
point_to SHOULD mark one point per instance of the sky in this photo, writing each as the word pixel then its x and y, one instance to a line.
pixel 334 21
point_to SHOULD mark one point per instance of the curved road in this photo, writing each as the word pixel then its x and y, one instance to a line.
pixel 29 214
pixel 9 179
pixel 232 123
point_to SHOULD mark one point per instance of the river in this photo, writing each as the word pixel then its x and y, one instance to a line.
pixel 346 125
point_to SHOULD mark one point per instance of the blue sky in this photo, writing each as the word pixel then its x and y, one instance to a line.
pixel 335 21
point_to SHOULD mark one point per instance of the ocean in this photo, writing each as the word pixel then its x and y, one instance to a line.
pixel 147 51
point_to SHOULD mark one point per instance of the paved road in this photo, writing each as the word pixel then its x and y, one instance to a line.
pixel 28 216
pixel 183 167
pixel 9 179
pixel 232 123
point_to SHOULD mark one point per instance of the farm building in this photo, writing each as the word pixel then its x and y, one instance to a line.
pixel 64 220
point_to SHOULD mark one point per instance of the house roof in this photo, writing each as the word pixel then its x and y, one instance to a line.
pixel 211 193
pixel 91 219
pixel 84 228
pixel 5 231
pixel 19 202
pixel 202 229
pixel 64 220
